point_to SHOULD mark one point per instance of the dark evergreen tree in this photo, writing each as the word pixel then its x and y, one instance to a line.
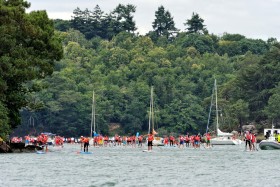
pixel 124 17
pixel 195 25
pixel 163 24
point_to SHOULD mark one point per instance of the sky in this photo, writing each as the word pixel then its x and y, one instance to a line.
pixel 257 19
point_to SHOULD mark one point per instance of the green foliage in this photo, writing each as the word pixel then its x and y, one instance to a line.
pixel 4 122
pixel 272 109
pixel 95 24
pixel 62 25
pixel 195 25
pixel 236 44
pixel 28 50
pixel 102 54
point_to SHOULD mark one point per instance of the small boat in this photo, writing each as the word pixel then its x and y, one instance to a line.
pixel 270 143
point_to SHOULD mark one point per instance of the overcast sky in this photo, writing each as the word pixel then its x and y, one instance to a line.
pixel 257 19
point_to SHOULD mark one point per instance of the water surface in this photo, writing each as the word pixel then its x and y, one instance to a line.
pixel 126 166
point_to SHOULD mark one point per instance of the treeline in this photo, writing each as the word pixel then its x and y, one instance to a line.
pixel 96 24
pixel 120 66
pixel 121 72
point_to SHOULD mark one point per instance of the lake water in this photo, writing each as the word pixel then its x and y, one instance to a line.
pixel 118 166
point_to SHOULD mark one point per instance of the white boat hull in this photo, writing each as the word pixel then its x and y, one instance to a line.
pixel 225 141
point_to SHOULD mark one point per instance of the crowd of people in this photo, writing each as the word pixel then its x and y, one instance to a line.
pixel 137 141
pixel 181 141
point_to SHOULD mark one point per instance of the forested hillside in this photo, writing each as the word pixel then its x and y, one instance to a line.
pixel 102 53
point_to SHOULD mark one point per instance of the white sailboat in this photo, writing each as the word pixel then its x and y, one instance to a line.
pixel 158 141
pixel 222 138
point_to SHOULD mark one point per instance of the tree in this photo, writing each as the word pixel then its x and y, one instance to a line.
pixel 163 24
pixel 195 25
pixel 124 18
pixel 97 17
pixel 62 25
pixel 272 109
pixel 28 50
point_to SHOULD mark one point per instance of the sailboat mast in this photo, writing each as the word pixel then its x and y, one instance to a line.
pixel 217 113
pixel 210 109
pixel 151 112
pixel 92 115
pixel 152 109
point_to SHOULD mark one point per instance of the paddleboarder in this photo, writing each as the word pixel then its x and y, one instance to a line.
pixel 150 141
pixel 86 144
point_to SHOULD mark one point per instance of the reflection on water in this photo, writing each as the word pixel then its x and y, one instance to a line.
pixel 119 166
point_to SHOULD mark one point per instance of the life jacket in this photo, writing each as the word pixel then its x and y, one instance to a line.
pixel 248 136
pixel 140 138
pixel 86 140
pixel 150 138
pixel 253 138
pixel 197 138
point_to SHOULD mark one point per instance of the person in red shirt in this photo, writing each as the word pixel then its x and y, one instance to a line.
pixel 165 141
pixel 197 141
pixel 150 141
pixel 187 139
pixel 171 140
pixel 106 140
pixel 248 140
pixel 208 138
pixel 254 140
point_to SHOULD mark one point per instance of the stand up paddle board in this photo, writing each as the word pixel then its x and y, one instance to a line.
pixel 85 153
pixel 148 151
pixel 40 152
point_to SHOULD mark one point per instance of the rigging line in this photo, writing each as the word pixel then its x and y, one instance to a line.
pixel 210 110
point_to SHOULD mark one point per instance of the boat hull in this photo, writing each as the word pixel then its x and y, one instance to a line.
pixel 269 145
pixel 225 141
pixel 158 141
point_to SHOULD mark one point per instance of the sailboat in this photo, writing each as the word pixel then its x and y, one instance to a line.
pixel 158 141
pixel 222 138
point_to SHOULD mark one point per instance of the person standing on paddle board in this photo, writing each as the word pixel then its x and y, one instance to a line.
pixel 254 141
pixel 86 144
pixel 140 139
pixel 150 141
pixel 248 140
pixel 208 138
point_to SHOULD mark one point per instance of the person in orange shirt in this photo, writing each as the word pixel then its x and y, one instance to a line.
pixel 86 144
